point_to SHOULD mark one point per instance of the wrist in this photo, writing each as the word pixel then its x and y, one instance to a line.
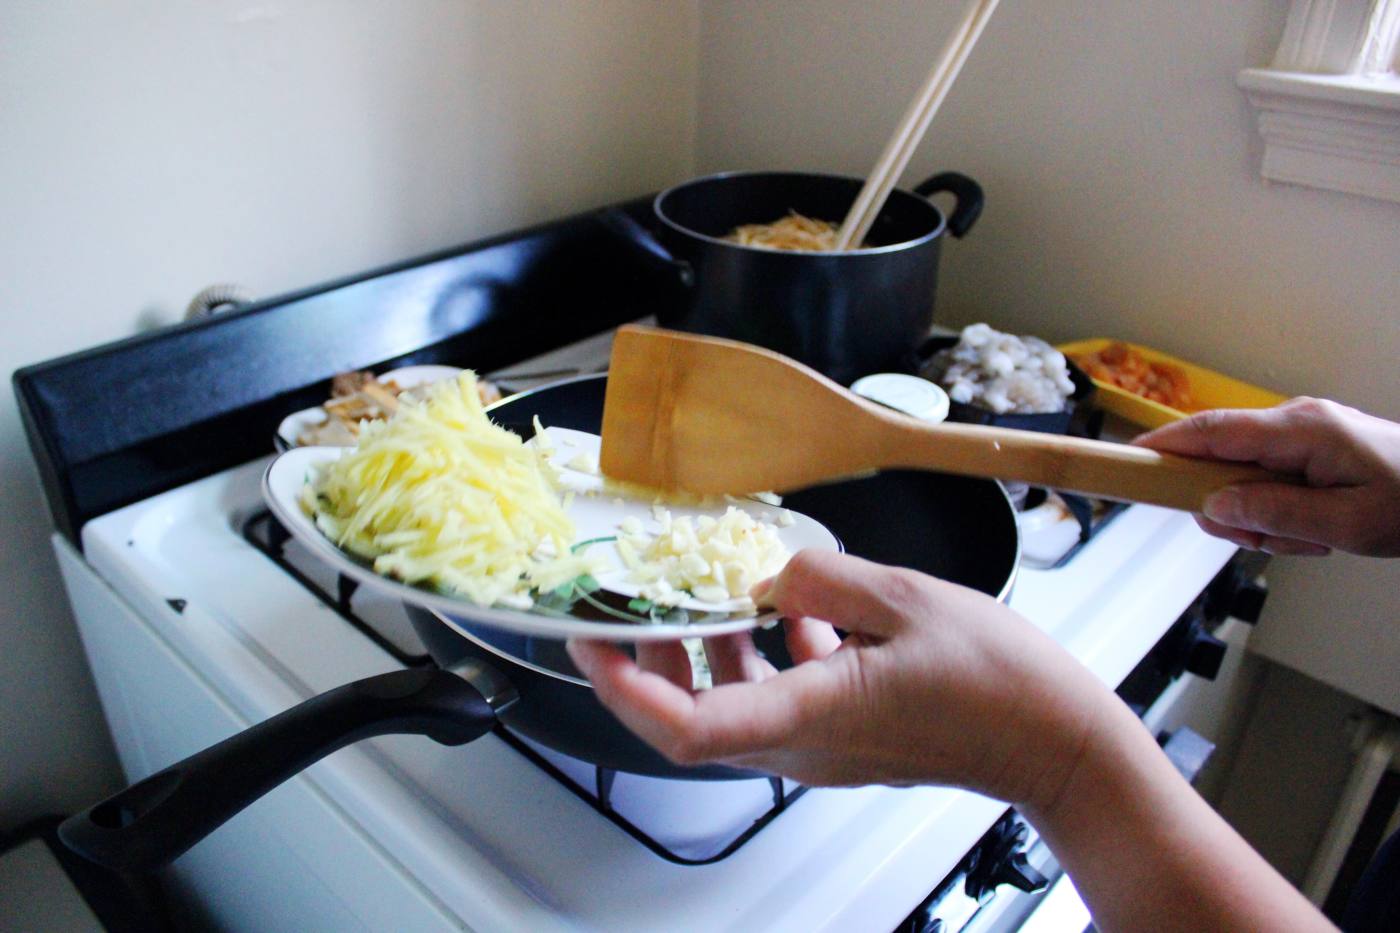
pixel 1091 762
pixel 1146 852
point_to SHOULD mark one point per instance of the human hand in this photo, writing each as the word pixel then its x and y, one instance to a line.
pixel 935 684
pixel 940 684
pixel 735 658
pixel 1349 460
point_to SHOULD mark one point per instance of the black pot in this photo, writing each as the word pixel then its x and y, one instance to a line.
pixel 955 527
pixel 846 314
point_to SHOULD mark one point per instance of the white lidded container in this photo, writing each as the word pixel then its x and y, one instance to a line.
pixel 910 394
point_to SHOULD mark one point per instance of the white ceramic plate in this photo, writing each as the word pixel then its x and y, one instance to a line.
pixel 295 424
pixel 597 516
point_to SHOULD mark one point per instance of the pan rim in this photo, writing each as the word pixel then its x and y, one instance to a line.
pixel 1002 595
pixel 457 626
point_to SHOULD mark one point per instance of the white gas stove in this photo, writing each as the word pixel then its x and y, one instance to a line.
pixel 150 451
pixel 194 633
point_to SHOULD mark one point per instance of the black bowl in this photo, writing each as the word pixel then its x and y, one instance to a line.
pixel 1078 417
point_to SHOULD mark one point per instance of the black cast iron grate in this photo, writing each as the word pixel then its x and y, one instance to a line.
pixel 267 535
pixel 600 799
pixel 1092 516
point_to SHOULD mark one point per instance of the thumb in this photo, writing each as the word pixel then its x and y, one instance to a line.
pixel 1220 434
pixel 1303 513
pixel 846 591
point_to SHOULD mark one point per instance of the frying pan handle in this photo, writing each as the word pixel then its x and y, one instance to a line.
pixel 967 206
pixel 155 820
pixel 624 225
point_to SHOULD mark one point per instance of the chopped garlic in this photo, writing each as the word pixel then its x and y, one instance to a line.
pixel 584 463
pixel 542 440
pixel 713 559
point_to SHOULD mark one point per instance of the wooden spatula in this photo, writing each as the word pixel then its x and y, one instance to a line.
pixel 706 415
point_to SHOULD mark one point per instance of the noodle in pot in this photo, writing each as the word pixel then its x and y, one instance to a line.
pixel 793 232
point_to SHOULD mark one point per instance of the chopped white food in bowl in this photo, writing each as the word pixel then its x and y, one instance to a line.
pixel 713 559
pixel 702 553
pixel 1002 373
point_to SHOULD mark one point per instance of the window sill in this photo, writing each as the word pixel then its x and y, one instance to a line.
pixel 1336 132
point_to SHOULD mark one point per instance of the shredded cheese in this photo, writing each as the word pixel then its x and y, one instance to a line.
pixel 439 494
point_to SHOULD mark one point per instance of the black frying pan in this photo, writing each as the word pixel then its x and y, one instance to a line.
pixel 957 528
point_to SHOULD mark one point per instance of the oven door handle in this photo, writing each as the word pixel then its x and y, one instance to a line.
pixel 157 819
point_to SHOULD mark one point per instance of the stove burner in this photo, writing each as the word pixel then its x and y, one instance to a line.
pixel 600 798
pixel 1056 525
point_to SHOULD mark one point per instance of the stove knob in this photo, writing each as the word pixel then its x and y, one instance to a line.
pixel 1017 872
pixel 1001 859
pixel 1238 590
pixel 1205 654
pixel 1189 647
pixel 1248 601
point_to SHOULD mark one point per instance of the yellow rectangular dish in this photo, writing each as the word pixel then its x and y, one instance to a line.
pixel 1209 389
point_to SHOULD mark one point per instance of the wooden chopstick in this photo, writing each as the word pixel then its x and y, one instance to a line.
pixel 879 179
pixel 912 126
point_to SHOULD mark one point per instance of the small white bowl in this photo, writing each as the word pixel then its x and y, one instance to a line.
pixel 909 394
pixel 407 377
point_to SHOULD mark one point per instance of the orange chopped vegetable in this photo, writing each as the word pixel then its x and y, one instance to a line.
pixel 1120 365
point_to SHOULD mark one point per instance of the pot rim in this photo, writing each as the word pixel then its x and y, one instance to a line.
pixel 748 173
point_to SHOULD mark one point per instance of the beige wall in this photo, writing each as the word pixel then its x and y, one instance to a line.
pixel 1123 199
pixel 153 148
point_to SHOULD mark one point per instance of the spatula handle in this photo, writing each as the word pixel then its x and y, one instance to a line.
pixel 1073 464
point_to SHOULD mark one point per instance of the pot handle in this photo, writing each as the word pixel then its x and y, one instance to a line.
pixel 968 194
pixel 625 225
pixel 155 820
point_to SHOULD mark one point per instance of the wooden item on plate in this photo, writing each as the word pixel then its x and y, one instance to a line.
pixel 713 416
pixel 912 126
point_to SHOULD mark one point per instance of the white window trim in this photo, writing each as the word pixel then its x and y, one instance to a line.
pixel 1328 108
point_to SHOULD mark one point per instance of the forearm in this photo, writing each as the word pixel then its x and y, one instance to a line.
pixel 1147 852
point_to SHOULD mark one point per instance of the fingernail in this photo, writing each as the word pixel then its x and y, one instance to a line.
pixel 759 593
pixel 1223 506
pixel 572 646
